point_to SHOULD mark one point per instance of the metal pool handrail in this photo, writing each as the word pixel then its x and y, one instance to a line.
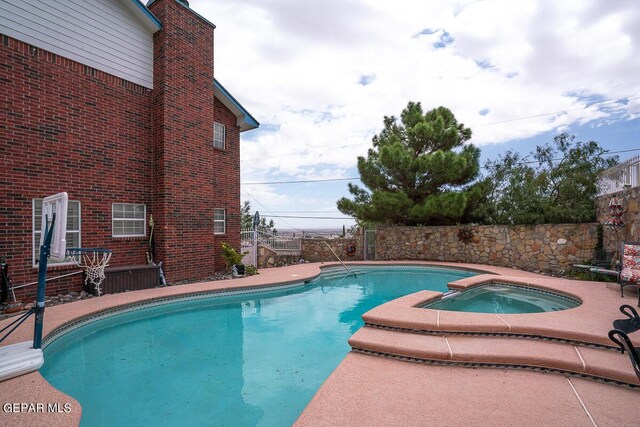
pixel 336 255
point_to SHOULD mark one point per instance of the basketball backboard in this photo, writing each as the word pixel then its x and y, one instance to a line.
pixel 55 204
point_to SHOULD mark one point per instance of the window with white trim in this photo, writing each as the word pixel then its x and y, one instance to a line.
pixel 73 229
pixel 129 220
pixel 218 136
pixel 219 221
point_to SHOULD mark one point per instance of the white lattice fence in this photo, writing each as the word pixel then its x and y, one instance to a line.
pixel 283 245
pixel 620 177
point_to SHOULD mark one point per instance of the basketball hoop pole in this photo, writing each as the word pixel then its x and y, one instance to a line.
pixel 42 282
pixel 25 357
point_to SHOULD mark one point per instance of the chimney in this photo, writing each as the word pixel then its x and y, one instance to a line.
pixel 184 163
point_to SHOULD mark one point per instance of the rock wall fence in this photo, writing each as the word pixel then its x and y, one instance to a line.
pixel 268 258
pixel 547 247
pixel 313 250
pixel 316 250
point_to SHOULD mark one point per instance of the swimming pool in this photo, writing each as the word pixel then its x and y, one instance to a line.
pixel 504 299
pixel 252 359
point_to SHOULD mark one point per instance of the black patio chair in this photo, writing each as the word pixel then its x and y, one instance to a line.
pixel 622 339
pixel 631 324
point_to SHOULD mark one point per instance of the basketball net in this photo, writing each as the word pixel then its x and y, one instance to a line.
pixel 93 262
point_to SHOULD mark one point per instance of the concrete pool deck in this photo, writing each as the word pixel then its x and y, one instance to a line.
pixel 463 356
pixel 369 390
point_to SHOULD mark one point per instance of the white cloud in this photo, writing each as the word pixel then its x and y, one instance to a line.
pixel 298 67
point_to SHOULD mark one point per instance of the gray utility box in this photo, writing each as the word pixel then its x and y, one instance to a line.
pixel 128 278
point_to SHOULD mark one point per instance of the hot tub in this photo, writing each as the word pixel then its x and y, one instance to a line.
pixel 503 298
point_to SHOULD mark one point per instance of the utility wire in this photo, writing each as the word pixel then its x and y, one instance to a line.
pixel 607 153
pixel 305 212
pixel 308 217
pixel 291 216
pixel 623 151
pixel 306 181
pixel 295 153
pixel 274 213
pixel 300 181
pixel 267 209
pixel 610 101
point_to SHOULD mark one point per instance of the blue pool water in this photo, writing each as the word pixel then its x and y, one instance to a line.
pixel 507 299
pixel 253 359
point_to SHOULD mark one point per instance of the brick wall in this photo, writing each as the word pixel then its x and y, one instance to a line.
pixel 191 177
pixel 226 183
pixel 68 127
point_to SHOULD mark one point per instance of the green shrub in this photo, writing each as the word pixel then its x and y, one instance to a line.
pixel 250 270
pixel 231 256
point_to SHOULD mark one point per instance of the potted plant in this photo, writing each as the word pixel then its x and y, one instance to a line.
pixel 233 259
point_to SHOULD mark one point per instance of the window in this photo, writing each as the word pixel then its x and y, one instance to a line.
pixel 73 229
pixel 219 221
pixel 129 220
pixel 218 136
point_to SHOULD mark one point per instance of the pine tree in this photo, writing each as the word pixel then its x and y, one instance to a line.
pixel 418 171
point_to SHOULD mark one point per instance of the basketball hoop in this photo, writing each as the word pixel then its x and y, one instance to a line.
pixel 24 357
pixel 93 261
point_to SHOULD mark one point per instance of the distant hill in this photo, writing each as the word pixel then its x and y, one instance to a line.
pixel 312 232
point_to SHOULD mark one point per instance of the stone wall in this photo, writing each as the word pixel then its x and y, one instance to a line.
pixel 548 247
pixel 268 258
pixel 315 250
pixel 631 217
pixel 543 247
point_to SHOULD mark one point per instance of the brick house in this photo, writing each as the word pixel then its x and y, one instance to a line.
pixel 116 103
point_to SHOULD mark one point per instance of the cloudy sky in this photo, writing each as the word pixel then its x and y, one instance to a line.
pixel 320 75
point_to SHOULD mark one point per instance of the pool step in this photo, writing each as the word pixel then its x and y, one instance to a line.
pixel 595 363
pixel 404 314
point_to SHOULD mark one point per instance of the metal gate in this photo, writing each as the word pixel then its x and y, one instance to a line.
pixel 369 244
pixel 282 245
pixel 248 244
